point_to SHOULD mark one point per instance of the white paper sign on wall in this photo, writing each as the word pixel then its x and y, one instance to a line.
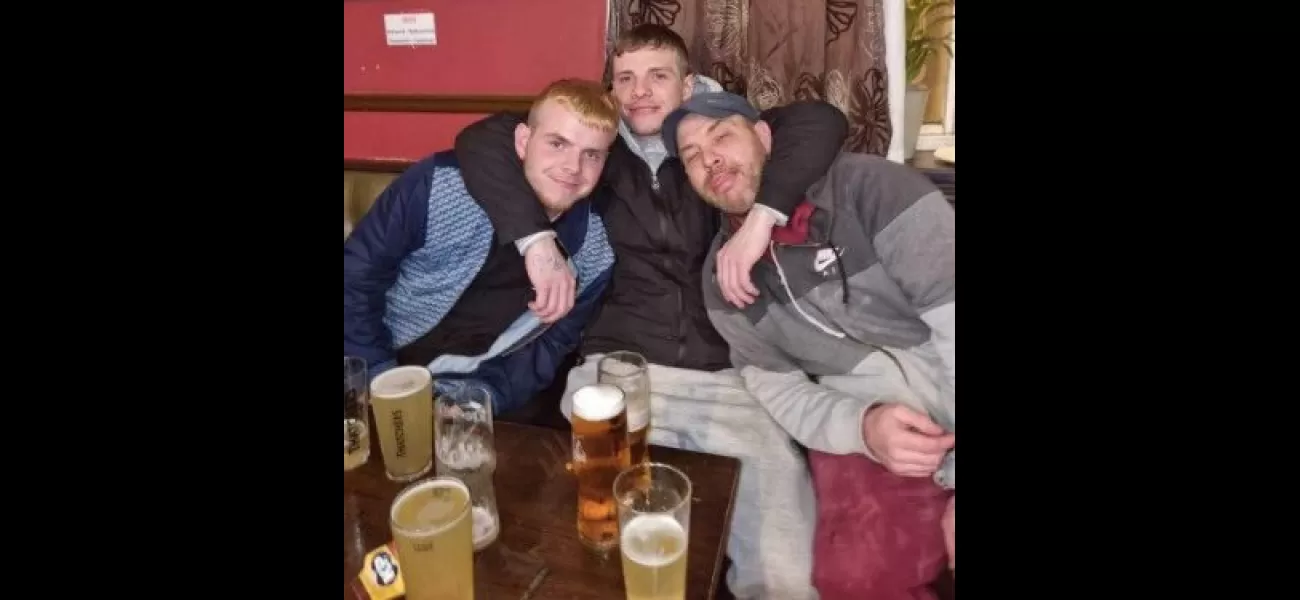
pixel 410 29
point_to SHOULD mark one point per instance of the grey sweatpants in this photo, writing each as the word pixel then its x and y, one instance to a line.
pixel 772 527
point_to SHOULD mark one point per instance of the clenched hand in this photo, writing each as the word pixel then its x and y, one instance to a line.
pixel 906 442
pixel 552 279
pixel 737 257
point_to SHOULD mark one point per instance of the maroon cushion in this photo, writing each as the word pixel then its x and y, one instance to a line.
pixel 878 535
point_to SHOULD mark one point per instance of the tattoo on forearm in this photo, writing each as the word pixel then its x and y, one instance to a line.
pixel 554 261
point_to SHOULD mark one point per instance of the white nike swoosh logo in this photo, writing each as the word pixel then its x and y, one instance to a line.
pixel 822 262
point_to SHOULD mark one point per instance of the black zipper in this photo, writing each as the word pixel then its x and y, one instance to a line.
pixel 681 306
pixel 679 330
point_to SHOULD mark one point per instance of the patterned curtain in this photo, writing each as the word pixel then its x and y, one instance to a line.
pixel 777 51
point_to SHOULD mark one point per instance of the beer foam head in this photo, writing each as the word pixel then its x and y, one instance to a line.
pixel 653 540
pixel 598 402
pixel 399 381
pixel 433 516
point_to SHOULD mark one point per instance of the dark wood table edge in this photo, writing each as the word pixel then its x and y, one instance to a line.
pixel 721 557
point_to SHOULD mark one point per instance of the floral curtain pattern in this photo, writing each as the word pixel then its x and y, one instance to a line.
pixel 777 51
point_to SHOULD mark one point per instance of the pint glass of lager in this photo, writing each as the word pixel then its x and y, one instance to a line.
pixel 600 453
pixel 402 400
pixel 628 371
pixel 432 532
pixel 356 413
pixel 654 516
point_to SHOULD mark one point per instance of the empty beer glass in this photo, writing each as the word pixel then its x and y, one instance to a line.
pixel 432 530
pixel 466 450
pixel 356 414
pixel 654 516
pixel 402 400
pixel 629 372
pixel 600 453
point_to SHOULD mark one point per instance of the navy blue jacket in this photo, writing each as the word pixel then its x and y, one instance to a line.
pixel 416 251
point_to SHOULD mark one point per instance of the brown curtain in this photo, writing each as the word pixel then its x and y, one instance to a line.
pixel 777 51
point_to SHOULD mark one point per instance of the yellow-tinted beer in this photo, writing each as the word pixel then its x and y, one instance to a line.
pixel 356 443
pixel 654 558
pixel 402 400
pixel 654 511
pixel 433 531
pixel 600 453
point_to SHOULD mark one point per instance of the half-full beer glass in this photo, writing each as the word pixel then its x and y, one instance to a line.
pixel 432 531
pixel 466 451
pixel 600 453
pixel 628 371
pixel 402 400
pixel 356 414
pixel 654 516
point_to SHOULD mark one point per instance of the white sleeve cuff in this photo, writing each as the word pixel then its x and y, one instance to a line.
pixel 777 215
pixel 524 242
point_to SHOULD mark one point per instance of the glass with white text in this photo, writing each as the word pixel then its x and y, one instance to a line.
pixel 356 413
pixel 402 400
pixel 432 531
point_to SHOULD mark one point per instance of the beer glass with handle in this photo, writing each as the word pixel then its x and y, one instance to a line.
pixel 654 517
pixel 356 414
pixel 466 450
pixel 600 453
pixel 432 530
pixel 402 400
pixel 628 371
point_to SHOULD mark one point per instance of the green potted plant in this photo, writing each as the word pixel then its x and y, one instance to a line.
pixel 924 18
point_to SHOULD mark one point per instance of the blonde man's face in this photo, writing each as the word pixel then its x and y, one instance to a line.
pixel 562 156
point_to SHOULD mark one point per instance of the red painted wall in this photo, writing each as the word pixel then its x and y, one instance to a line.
pixel 507 47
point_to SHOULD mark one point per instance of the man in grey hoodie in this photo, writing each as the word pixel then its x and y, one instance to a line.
pixel 851 345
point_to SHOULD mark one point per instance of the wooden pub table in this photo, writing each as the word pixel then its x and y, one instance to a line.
pixel 537 554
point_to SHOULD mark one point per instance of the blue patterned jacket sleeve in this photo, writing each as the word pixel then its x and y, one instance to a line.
pixel 519 376
pixel 392 228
